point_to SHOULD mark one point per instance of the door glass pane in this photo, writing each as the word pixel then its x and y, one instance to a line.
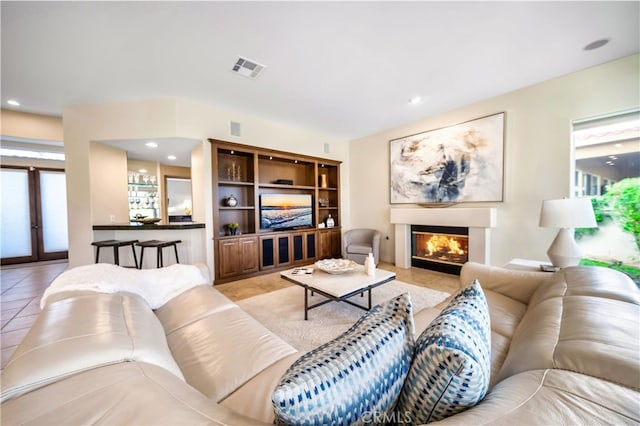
pixel 15 213
pixel 53 198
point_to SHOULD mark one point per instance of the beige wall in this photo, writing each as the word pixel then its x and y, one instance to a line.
pixel 538 154
pixel 157 119
pixel 31 126
pixel 108 185
pixel 34 128
pixel 200 169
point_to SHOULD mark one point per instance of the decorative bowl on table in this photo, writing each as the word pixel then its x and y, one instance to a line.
pixel 146 220
pixel 336 266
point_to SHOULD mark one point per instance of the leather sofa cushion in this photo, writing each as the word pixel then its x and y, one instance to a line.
pixel 217 345
pixel 190 306
pixel 582 319
pixel 517 285
pixel 253 399
pixel 80 333
pixel 553 397
pixel 127 393
pixel 505 314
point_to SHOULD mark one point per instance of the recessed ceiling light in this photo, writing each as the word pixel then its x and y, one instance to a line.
pixel 596 44
pixel 13 102
pixel 171 157
pixel 415 100
pixel 151 144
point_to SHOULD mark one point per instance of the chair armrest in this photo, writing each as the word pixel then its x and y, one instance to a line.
pixel 518 285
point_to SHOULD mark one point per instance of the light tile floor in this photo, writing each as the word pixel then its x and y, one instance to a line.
pixel 22 287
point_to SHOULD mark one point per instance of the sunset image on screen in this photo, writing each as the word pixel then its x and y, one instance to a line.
pixel 285 211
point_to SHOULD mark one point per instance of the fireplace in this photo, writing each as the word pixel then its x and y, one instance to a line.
pixel 440 248
pixel 477 220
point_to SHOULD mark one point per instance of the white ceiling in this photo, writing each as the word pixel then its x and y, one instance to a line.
pixel 137 149
pixel 343 68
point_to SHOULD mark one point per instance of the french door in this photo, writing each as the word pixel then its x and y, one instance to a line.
pixel 33 214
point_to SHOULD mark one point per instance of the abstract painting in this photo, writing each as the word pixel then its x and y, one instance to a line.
pixel 460 163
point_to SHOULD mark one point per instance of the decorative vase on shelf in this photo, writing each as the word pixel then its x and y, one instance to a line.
pixel 231 201
pixel 330 222
pixel 323 181
pixel 233 228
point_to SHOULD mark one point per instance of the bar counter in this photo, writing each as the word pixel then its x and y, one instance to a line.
pixel 147 227
pixel 191 250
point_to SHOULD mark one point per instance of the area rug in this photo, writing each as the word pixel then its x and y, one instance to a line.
pixel 282 311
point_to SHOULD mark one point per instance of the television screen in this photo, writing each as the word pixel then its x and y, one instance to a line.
pixel 286 211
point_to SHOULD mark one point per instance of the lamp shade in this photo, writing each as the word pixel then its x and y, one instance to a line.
pixel 567 213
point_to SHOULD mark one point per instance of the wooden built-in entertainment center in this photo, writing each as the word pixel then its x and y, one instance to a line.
pixel 244 173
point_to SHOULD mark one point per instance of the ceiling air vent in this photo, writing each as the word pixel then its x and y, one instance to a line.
pixel 248 68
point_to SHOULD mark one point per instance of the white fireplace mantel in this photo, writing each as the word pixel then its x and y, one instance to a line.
pixel 479 220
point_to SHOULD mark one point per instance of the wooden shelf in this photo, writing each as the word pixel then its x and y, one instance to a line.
pixel 238 208
pixel 247 173
pixel 235 183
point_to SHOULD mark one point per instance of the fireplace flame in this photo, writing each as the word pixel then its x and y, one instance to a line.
pixel 443 243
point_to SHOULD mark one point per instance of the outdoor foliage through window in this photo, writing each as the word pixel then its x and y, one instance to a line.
pixel 607 169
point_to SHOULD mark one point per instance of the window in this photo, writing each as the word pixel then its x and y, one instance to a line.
pixel 607 169
pixel 25 153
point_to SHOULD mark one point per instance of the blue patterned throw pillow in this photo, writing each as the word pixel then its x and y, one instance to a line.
pixel 354 379
pixel 452 362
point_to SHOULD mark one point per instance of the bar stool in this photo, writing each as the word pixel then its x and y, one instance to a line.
pixel 116 244
pixel 158 245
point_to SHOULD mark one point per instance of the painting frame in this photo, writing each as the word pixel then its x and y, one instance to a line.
pixel 461 163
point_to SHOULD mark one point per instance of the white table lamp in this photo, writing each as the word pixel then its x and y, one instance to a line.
pixel 566 214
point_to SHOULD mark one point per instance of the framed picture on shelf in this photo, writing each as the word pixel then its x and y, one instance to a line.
pixel 459 163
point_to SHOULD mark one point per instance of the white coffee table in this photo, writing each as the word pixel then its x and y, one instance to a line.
pixel 338 288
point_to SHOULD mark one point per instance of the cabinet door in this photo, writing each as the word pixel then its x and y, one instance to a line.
pixel 284 250
pixel 228 253
pixel 299 248
pixel 248 251
pixel 324 244
pixel 330 243
pixel 267 253
pixel 336 243
pixel 303 247
pixel 310 242
pixel 275 250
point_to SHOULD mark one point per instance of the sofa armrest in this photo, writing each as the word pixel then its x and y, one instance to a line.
pixel 518 285
pixel 83 333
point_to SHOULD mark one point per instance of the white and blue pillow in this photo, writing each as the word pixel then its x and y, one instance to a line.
pixel 358 375
pixel 452 362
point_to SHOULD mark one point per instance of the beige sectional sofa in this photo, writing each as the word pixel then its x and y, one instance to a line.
pixel 565 350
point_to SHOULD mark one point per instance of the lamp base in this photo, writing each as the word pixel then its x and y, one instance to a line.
pixel 564 251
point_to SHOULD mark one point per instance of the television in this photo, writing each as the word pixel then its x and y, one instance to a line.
pixel 286 211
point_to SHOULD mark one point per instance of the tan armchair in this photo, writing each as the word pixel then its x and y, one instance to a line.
pixel 358 243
